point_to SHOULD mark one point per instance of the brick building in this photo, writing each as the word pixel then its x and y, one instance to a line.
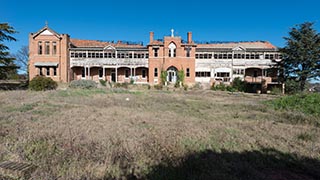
pixel 65 59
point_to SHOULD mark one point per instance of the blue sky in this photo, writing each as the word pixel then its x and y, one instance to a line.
pixel 133 20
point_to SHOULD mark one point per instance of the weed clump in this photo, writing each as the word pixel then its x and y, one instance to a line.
pixel 83 84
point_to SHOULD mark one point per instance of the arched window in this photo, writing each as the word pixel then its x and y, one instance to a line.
pixel 172 50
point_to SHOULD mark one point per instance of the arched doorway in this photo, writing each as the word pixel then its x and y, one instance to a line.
pixel 172 74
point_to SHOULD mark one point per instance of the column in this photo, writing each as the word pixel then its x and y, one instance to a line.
pixel 116 73
pixel 104 73
pixel 85 72
pixel 89 72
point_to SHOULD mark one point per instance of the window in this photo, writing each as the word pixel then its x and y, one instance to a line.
pixel 127 73
pixel 172 50
pixel 224 56
pixel 271 56
pixel 39 47
pixel 83 74
pixel 48 71
pixel 155 72
pixel 54 71
pixel 238 71
pixel 100 73
pixel 188 52
pixel 229 56
pixel 54 48
pixel 188 72
pixel 222 74
pixel 197 56
pixel 252 56
pixel 155 52
pixel 267 56
pixel 203 74
pixel 247 56
pixel 40 69
pixel 47 47
pixel 144 74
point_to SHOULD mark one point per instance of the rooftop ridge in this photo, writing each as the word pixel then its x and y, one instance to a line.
pixel 229 42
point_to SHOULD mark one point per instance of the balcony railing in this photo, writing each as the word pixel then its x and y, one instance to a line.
pixel 258 79
pixel 109 62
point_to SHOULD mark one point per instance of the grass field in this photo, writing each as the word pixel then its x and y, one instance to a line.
pixel 120 134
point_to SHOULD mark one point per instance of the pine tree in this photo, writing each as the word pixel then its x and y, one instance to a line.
pixel 7 66
pixel 301 55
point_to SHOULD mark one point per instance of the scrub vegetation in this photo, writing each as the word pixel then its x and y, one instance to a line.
pixel 159 134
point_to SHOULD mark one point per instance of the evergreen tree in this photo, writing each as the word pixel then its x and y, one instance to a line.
pixel 7 66
pixel 301 55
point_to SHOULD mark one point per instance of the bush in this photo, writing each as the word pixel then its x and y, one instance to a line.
pixel 158 86
pixel 103 82
pixel 163 77
pixel 292 86
pixel 238 84
pixel 306 103
pixel 219 87
pixel 83 84
pixel 276 91
pixel 121 85
pixel 42 83
pixel 185 87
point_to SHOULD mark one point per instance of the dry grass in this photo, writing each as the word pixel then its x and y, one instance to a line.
pixel 97 134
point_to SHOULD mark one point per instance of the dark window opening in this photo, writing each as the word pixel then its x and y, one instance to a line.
pixel 144 74
pixel 47 43
pixel 54 48
pixel 54 71
pixel 155 72
pixel 48 71
pixel 100 72
pixel 127 73
pixel 40 48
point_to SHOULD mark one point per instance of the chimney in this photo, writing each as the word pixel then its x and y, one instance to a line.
pixel 151 37
pixel 189 37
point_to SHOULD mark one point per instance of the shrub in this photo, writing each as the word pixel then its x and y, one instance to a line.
pixel 42 83
pixel 185 87
pixel 219 87
pixel 180 80
pixel 163 77
pixel 292 86
pixel 306 103
pixel 158 86
pixel 197 86
pixel 83 84
pixel 276 91
pixel 121 85
pixel 238 84
pixel 103 82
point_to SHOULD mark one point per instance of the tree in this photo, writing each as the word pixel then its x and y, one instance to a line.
pixel 301 55
pixel 7 66
pixel 22 58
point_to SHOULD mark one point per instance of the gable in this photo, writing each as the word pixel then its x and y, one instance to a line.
pixel 109 47
pixel 47 33
pixel 238 48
